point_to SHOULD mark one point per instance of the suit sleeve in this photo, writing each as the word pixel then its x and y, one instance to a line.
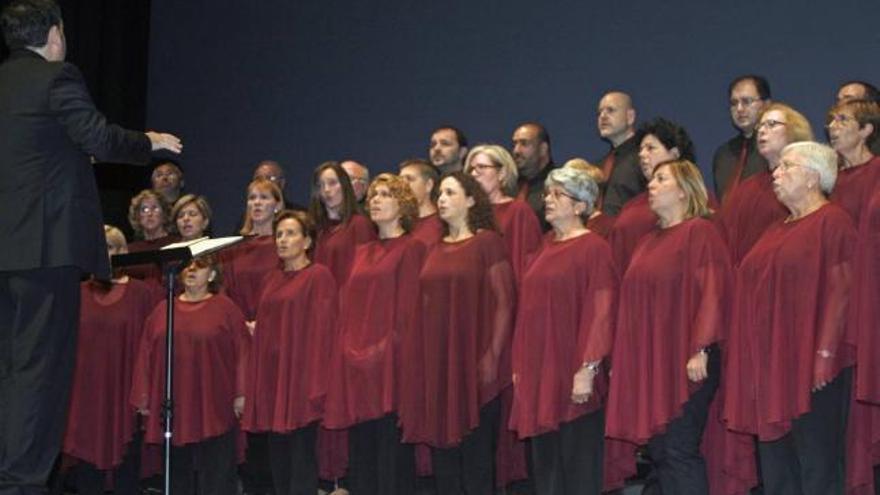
pixel 70 101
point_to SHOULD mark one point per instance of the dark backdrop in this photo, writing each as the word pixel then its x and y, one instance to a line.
pixel 309 80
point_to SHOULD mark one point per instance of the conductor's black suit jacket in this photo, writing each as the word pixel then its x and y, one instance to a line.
pixel 50 214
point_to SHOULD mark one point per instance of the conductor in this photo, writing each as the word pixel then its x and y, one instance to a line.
pixel 51 231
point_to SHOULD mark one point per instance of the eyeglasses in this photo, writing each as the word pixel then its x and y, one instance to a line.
pixel 839 119
pixel 769 124
pixel 786 165
pixel 480 167
pixel 149 209
pixel 558 193
pixel 746 101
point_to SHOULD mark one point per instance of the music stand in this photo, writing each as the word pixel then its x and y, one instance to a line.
pixel 172 258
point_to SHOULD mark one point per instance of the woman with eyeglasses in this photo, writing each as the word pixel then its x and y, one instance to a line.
pixel 853 126
pixel 149 215
pixel 211 347
pixel 378 311
pixel 454 374
pixel 293 339
pixel 752 206
pixel 102 433
pixel 598 222
pixel 495 170
pixel 673 308
pixel 659 140
pixel 564 330
pixel 788 372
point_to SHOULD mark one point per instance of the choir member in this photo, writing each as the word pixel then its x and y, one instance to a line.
pixel 752 206
pixel 101 429
pixel 340 226
pixel 378 309
pixel 598 222
pixel 494 168
pixel 423 179
pixel 659 140
pixel 150 217
pixel 245 265
pixel 295 328
pixel 496 171
pixel 853 126
pixel 211 346
pixel 248 262
pixel 192 216
pixel 665 363
pixel 453 373
pixel 788 373
pixel 864 316
pixel 563 332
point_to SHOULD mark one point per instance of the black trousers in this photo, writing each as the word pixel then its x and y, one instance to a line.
pixel 569 461
pixel 39 313
pixel 379 464
pixel 256 476
pixel 294 461
pixel 809 459
pixel 91 481
pixel 470 467
pixel 205 468
pixel 677 461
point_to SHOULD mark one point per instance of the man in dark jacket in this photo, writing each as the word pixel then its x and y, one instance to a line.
pixel 51 231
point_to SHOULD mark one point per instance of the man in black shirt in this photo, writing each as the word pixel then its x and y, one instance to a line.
pixel 531 152
pixel 616 120
pixel 738 158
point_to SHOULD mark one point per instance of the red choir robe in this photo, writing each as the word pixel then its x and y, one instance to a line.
pixel 429 230
pixel 864 421
pixel 296 324
pixel 244 266
pixel 790 301
pixel 601 224
pixel 674 300
pixel 211 347
pixel 854 187
pixel 335 248
pixel 335 245
pixel 378 307
pixel 634 221
pixel 565 318
pixel 101 421
pixel 747 212
pixel 150 273
pixel 467 303
pixel 521 231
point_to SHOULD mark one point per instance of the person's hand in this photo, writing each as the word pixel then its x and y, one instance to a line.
pixel 488 368
pixel 697 367
pixel 251 326
pixel 582 385
pixel 143 411
pixel 822 370
pixel 238 406
pixel 164 141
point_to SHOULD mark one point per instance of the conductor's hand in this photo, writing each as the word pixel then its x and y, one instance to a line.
pixel 163 141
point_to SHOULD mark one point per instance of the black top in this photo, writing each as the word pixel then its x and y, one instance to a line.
pixel 725 160
pixel 627 180
pixel 535 194
pixel 50 215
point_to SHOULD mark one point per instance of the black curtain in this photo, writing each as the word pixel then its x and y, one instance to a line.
pixel 109 41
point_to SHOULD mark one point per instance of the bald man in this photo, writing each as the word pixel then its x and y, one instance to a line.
pixel 360 178
pixel 616 120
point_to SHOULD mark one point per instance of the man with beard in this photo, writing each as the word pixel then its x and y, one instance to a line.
pixel 531 151
pixel 448 149
pixel 738 158
pixel 616 120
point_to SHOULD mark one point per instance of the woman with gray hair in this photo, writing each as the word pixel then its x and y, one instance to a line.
pixel 789 369
pixel 563 332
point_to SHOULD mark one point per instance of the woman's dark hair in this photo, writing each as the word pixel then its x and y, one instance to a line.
pixel 317 211
pixel 670 134
pixel 480 216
